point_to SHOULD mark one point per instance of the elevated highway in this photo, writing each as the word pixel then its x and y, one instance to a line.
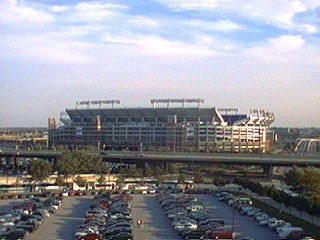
pixel 266 161
pixel 11 156
pixel 226 158
pixel 29 154
pixel 308 147
pixel 162 159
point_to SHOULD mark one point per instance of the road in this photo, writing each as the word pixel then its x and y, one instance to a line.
pixel 308 148
pixel 62 225
pixel 157 226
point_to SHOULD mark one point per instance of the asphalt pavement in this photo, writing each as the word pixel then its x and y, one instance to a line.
pixel 62 224
pixel 242 224
pixel 156 224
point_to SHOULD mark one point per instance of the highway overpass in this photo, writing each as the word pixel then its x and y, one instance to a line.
pixel 29 154
pixel 157 158
pixel 11 155
pixel 265 161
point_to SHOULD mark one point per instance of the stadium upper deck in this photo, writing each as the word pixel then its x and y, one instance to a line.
pixel 163 115
pixel 180 129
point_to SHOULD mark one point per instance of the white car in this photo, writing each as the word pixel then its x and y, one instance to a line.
pixel 285 232
pixel 7 224
pixel 83 232
pixel 278 223
pixel 286 225
pixel 262 217
pixel 266 221
pixel 184 224
pixel 252 212
pixel 245 209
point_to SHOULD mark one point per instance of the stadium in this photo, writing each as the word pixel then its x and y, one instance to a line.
pixel 162 128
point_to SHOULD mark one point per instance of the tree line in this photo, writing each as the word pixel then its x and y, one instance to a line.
pixel 70 163
pixel 308 199
pixel 73 163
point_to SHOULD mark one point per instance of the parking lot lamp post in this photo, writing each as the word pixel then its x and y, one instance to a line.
pixel 233 217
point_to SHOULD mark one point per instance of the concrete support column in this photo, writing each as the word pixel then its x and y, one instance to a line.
pixel 141 164
pixel 166 167
pixel 54 163
pixel 268 170
pixel 16 163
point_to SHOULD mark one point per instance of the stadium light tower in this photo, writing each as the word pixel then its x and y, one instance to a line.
pixel 177 100
pixel 97 102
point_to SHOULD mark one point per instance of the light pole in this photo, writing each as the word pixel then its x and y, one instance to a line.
pixel 233 218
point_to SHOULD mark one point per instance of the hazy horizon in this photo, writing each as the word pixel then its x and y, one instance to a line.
pixel 235 54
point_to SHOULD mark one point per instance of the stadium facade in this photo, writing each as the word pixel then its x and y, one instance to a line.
pixel 170 129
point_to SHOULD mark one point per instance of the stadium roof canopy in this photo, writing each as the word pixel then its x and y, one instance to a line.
pixel 205 114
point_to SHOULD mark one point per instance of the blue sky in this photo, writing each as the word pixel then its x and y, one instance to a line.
pixel 245 54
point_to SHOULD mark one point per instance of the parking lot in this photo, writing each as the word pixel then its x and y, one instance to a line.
pixel 156 226
pixel 243 224
pixel 63 224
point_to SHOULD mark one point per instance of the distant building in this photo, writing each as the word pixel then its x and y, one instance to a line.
pixel 174 129
pixel 25 138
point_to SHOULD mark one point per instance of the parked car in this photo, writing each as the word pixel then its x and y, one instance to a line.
pixel 298 235
pixel 14 234
pixel 284 233
pixel 91 236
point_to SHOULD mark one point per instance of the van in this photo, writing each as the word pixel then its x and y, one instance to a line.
pixel 284 233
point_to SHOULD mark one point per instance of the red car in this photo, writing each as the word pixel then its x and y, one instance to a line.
pixel 91 236
pixel 221 234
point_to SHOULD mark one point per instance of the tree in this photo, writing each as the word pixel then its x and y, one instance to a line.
pixel 65 165
pixel 310 180
pixel 198 178
pixel 39 170
pixel 80 162
pixel 172 168
pixel 294 176
pixel 180 179
pixel 159 179
pixel 60 180
pixel 218 181
pixel 101 179
pixel 148 172
pixel 120 179
pixel 158 173
pixel 80 181
pixel 306 178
